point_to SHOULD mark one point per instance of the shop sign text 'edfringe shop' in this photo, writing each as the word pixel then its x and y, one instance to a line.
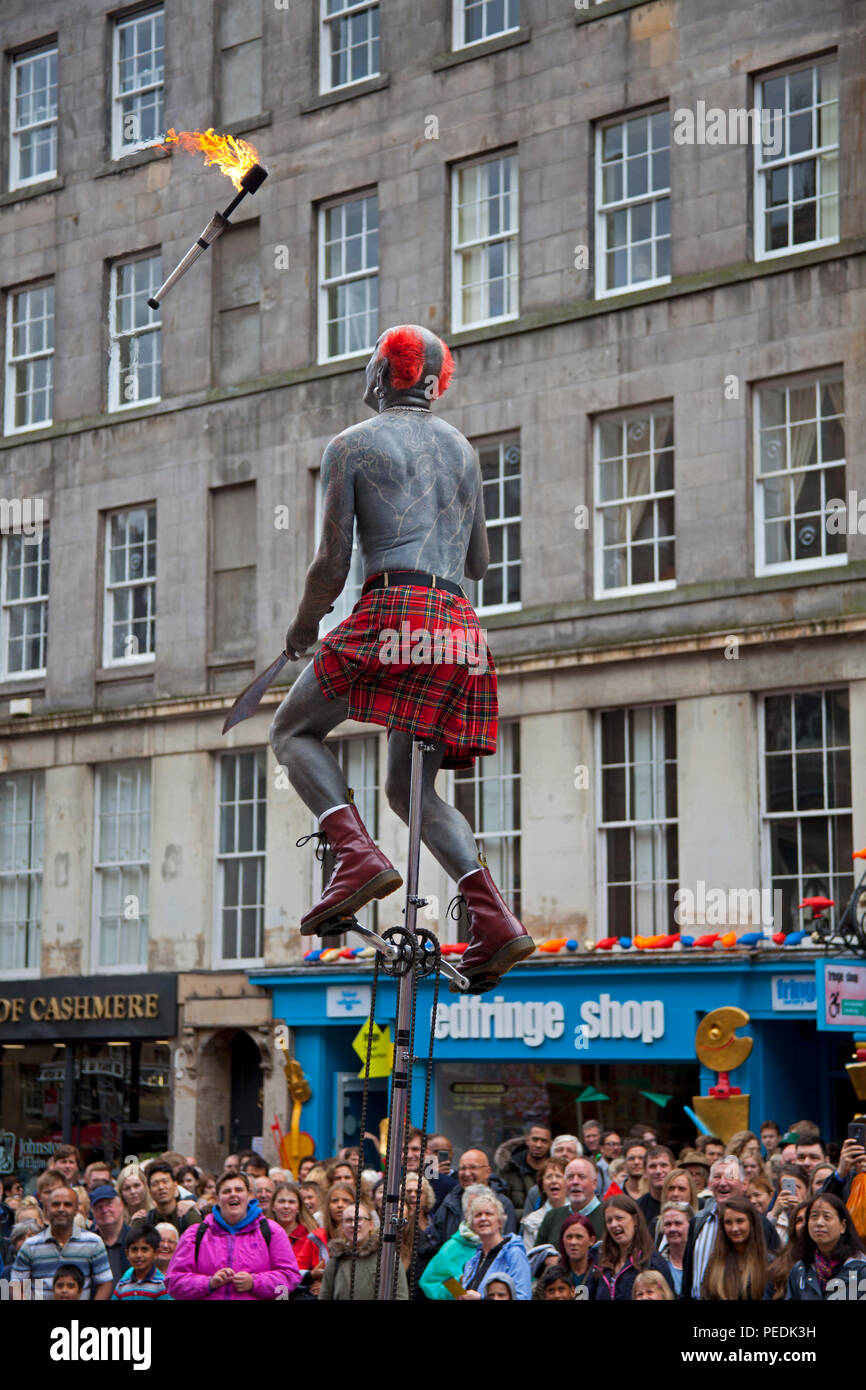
pixel 536 1021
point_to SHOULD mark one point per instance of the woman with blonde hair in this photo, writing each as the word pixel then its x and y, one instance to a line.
pixel 339 1197
pixel 337 1281
pixel 417 1215
pixel 134 1192
pixel 308 1241
pixel 743 1142
pixel 680 1186
pixel 30 1210
pixel 652 1285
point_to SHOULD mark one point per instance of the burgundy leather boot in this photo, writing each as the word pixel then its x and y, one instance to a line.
pixel 362 871
pixel 497 940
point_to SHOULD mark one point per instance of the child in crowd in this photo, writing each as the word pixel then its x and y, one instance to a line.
pixel 68 1284
pixel 142 1280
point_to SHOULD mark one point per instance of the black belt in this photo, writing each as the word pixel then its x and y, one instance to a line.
pixel 388 579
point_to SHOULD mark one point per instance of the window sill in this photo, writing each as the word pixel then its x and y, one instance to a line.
pixel 824 562
pixel 121 968
pixel 636 590
pixel 355 89
pixel 29 683
pixel 31 190
pixel 607 7
pixel 481 50
pixel 134 160
pixel 133 670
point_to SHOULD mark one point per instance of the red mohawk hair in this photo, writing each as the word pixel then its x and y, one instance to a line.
pixel 446 371
pixel 404 349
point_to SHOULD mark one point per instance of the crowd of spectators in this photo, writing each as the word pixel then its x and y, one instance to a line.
pixel 609 1216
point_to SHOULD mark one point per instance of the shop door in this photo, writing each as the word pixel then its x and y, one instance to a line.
pixel 349 1096
pixel 246 1092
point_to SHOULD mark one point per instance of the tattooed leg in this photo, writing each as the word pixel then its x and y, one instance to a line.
pixel 446 833
pixel 300 724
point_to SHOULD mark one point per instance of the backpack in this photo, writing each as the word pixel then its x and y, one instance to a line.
pixel 200 1230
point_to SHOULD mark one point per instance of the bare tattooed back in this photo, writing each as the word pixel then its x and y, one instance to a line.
pixel 413 484
pixel 416 486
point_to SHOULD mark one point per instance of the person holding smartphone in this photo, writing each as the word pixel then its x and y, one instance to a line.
pixel 793 1189
pixel 852 1160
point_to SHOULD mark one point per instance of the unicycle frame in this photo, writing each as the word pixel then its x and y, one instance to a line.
pixel 392 1215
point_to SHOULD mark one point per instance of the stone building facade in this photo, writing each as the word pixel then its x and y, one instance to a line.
pixel 666 584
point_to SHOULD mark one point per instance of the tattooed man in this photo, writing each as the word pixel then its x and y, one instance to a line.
pixel 411 484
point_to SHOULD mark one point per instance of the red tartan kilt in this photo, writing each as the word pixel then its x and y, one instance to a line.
pixel 387 660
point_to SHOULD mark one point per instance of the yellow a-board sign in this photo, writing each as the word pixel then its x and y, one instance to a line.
pixel 381 1051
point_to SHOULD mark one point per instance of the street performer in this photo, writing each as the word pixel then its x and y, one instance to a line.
pixel 412 484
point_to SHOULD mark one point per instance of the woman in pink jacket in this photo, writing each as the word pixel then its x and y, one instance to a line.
pixel 235 1253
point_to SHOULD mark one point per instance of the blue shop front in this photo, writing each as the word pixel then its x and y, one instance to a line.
pixel 562 1040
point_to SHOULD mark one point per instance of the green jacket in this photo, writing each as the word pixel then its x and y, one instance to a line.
pixel 551 1226
pixel 337 1278
pixel 447 1263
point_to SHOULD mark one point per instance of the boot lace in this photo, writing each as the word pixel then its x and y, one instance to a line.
pixel 321 846
pixel 453 908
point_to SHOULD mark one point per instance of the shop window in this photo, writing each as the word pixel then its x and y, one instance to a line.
pixel 241 858
pixel 482 1104
pixel 122 867
pixel 22 800
pixel 119 1102
pixel 637 755
pixel 488 795
pixel 807 802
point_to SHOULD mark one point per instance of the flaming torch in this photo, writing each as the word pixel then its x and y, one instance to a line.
pixel 239 161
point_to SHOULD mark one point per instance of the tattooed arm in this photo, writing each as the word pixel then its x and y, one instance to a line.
pixel 478 550
pixel 329 570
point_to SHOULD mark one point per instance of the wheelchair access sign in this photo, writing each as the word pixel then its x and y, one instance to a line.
pixel 841 995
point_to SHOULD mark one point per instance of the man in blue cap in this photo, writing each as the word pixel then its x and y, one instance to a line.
pixel 107 1209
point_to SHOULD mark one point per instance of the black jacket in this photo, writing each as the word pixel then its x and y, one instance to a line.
pixel 803 1282
pixel 449 1213
pixel 696 1225
pixel 513 1168
pixel 599 1288
pixel 116 1253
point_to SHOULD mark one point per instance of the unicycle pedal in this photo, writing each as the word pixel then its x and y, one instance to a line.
pixel 478 984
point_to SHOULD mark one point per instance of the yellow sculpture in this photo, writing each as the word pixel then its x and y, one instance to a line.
pixel 725 1110
pixel 856 1069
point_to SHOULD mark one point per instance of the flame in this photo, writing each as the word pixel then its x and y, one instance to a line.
pixel 233 157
